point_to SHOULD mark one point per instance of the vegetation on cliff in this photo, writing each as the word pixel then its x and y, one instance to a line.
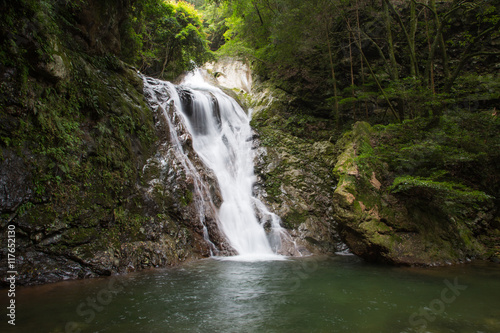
pixel 419 186
pixel 370 60
pixel 425 73
pixel 76 134
pixel 164 39
pixel 409 196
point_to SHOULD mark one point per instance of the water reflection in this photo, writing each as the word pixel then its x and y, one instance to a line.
pixel 316 294
pixel 246 294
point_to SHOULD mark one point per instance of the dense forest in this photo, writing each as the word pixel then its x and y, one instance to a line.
pixel 392 104
pixel 348 59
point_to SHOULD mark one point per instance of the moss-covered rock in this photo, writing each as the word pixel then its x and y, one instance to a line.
pixel 380 224
pixel 75 135
pixel 294 158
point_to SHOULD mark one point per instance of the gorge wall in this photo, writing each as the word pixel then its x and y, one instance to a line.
pixel 84 180
pixel 81 174
pixel 363 190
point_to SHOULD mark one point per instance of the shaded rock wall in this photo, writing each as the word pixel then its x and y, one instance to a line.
pixel 381 226
pixel 80 175
pixel 294 175
pixel 333 196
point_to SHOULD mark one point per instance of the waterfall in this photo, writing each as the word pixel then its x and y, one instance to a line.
pixel 222 138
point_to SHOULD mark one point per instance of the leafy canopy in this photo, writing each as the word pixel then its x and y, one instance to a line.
pixel 166 38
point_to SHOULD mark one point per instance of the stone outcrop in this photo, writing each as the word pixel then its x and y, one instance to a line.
pixel 379 226
pixel 294 176
pixel 85 172
pixel 334 196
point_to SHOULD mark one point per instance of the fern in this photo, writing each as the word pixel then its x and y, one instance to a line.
pixel 442 190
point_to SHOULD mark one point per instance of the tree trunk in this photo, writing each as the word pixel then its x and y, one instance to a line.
pixel 358 44
pixel 413 58
pixel 438 39
pixel 352 78
pixel 390 44
pixel 361 62
pixel 165 62
pixel 431 85
pixel 332 67
pixel 411 41
pixel 442 45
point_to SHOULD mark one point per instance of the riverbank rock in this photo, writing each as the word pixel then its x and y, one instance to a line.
pixel 82 176
pixel 382 226
pixel 293 171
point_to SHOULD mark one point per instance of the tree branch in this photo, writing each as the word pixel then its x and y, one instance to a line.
pixel 358 44
pixel 466 55
pixel 400 21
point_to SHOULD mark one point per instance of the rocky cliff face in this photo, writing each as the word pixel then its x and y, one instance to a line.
pixel 379 225
pixel 294 177
pixel 85 172
pixel 331 196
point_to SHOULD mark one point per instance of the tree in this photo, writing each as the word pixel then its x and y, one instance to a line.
pixel 169 37
pixel 412 50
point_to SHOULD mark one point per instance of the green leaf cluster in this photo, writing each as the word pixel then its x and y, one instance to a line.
pixel 453 158
pixel 165 38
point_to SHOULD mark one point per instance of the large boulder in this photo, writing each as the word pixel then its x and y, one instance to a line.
pixel 381 226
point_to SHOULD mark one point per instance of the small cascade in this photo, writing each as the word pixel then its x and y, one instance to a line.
pixel 163 97
pixel 222 138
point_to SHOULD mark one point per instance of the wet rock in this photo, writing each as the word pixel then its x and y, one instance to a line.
pixel 381 227
pixel 15 182
pixel 55 69
pixel 81 174
pixel 294 179
pixel 231 74
pixel 182 180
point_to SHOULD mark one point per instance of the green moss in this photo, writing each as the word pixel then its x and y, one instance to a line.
pixel 442 191
pixel 295 218
pixel 77 236
pixel 418 195
pixel 187 198
pixel 375 226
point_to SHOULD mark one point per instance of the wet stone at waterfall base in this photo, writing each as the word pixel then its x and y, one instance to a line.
pixel 208 125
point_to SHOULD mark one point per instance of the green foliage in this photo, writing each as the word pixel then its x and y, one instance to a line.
pixel 164 38
pixel 300 44
pixel 440 191
pixel 451 158
pixel 215 24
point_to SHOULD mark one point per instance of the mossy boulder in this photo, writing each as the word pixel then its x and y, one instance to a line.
pixel 382 225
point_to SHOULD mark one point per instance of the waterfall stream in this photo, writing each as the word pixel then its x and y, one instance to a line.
pixel 222 138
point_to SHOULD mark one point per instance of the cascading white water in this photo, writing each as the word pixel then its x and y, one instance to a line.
pixel 160 95
pixel 222 137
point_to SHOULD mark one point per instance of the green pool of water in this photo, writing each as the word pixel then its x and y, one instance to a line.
pixel 315 294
